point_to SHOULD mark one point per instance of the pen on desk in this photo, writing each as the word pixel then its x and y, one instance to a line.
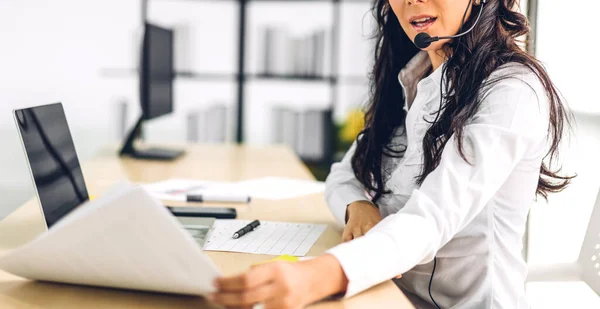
pixel 218 198
pixel 246 229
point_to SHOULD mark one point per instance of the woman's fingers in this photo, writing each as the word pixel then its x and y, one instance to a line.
pixel 367 226
pixel 245 298
pixel 346 235
pixel 353 231
pixel 357 232
pixel 257 276
pixel 282 303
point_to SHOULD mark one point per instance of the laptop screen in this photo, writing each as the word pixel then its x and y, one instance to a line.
pixel 52 159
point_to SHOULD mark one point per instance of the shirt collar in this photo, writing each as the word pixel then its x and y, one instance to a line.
pixel 411 76
pixel 415 69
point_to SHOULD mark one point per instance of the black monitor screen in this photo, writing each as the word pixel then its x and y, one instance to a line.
pixel 52 159
pixel 157 72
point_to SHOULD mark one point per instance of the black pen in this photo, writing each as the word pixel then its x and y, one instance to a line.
pixel 246 229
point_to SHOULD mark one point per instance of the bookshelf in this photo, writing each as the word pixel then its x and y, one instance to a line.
pixel 241 77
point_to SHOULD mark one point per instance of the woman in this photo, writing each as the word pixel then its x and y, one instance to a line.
pixel 438 185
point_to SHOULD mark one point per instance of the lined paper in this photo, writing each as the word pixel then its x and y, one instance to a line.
pixel 271 238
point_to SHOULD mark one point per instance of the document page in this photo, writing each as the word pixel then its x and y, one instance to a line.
pixel 177 189
pixel 269 188
pixel 273 238
pixel 279 188
pixel 126 239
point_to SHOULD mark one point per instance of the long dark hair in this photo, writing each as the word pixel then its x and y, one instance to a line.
pixel 472 59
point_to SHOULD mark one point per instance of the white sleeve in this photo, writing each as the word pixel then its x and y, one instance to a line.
pixel 342 187
pixel 510 122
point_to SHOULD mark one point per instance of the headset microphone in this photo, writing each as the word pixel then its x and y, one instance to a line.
pixel 423 40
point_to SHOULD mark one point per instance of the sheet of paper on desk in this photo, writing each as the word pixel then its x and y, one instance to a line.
pixel 272 238
pixel 177 189
pixel 125 239
pixel 270 188
pixel 278 188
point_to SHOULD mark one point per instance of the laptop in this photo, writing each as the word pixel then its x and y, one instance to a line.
pixel 55 169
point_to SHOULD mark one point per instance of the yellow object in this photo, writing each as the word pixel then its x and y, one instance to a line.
pixel 355 122
pixel 92 197
pixel 285 258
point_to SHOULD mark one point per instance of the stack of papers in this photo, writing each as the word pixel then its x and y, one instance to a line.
pixel 125 239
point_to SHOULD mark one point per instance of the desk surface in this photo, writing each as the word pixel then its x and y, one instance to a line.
pixel 226 163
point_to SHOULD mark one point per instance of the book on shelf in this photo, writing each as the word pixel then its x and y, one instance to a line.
pixel 303 128
pixel 286 54
pixel 184 47
pixel 277 46
pixel 208 124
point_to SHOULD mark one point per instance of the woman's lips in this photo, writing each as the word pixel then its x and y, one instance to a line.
pixel 422 23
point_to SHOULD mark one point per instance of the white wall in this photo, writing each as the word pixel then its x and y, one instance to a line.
pixel 59 51
pixel 558 228
pixel 571 62
pixel 569 50
pixel 52 51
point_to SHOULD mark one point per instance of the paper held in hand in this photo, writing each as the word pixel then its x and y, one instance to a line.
pixel 124 239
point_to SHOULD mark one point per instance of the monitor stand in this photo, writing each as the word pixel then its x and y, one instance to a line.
pixel 146 154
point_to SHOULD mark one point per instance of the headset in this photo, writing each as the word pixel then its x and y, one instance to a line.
pixel 422 41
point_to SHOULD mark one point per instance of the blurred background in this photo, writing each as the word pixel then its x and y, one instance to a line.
pixel 266 72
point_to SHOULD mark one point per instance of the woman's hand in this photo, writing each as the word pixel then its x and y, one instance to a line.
pixel 362 216
pixel 282 284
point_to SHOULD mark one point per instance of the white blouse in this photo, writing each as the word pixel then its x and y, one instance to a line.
pixel 472 217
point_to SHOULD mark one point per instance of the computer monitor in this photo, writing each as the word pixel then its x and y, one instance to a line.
pixel 52 160
pixel 156 73
pixel 156 89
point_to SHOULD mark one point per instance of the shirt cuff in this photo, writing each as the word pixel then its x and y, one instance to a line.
pixel 341 197
pixel 360 258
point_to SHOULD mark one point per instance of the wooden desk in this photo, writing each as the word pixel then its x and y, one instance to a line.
pixel 226 163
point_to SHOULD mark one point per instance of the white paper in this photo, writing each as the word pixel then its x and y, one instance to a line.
pixel 272 238
pixel 126 239
pixel 277 188
pixel 177 189
pixel 270 188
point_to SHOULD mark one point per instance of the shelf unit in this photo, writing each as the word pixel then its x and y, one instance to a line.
pixel 241 77
pixel 116 72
